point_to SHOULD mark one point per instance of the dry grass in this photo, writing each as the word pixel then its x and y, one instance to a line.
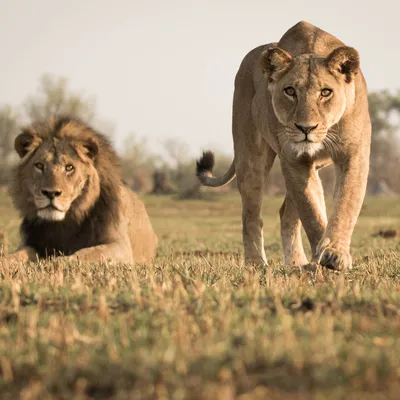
pixel 198 324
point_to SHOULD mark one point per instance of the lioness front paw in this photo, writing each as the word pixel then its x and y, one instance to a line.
pixel 336 260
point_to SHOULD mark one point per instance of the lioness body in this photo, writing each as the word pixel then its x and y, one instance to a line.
pixel 69 192
pixel 304 99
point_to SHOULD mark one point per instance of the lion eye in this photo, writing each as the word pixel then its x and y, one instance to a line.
pixel 290 91
pixel 326 92
pixel 39 166
pixel 69 168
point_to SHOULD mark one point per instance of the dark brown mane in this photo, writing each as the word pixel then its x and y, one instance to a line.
pixel 82 227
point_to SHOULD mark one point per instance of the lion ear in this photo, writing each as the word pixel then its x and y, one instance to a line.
pixel 91 147
pixel 274 62
pixel 87 148
pixel 25 143
pixel 344 61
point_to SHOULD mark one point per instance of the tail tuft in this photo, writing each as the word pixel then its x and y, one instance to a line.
pixel 205 164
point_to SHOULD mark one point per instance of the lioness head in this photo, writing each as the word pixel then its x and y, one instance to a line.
pixel 310 94
pixel 57 177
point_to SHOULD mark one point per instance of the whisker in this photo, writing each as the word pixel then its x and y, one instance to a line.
pixel 335 139
pixel 328 145
pixel 283 139
pixel 333 144
pixel 281 134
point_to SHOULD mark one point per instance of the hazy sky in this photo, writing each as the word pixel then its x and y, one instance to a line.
pixel 166 68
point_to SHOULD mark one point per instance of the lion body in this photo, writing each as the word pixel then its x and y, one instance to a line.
pixel 90 215
pixel 305 100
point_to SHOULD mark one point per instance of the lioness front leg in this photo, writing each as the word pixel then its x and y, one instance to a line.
pixel 291 234
pixel 333 251
pixel 305 188
pixel 251 171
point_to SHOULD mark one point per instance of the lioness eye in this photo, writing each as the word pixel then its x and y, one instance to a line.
pixel 69 168
pixel 290 91
pixel 39 166
pixel 326 92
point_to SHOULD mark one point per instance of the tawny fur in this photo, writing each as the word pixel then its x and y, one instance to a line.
pixel 268 120
pixel 97 216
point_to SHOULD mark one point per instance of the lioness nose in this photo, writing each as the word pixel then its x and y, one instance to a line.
pixel 51 194
pixel 306 129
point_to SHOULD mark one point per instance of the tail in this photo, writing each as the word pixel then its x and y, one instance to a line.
pixel 204 168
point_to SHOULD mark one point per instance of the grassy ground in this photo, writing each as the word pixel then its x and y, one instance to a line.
pixel 198 324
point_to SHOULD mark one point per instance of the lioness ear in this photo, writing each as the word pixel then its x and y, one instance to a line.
pixel 345 61
pixel 25 143
pixel 87 148
pixel 274 62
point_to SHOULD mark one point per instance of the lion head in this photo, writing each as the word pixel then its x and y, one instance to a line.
pixel 62 173
pixel 310 94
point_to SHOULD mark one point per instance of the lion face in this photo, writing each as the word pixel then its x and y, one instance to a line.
pixel 57 180
pixel 57 173
pixel 310 95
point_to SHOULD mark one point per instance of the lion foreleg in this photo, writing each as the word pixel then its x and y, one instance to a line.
pixel 119 251
pixel 22 255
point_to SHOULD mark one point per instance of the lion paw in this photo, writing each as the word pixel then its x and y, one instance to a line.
pixel 336 260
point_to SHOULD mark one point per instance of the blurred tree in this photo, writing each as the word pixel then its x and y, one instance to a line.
pixel 10 123
pixel 181 169
pixel 55 98
pixel 178 154
pixel 177 151
pixel 162 182
pixel 138 164
pixel 384 109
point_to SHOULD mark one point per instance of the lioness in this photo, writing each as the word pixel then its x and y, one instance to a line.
pixel 304 99
pixel 69 191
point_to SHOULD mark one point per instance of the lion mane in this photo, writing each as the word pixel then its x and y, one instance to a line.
pixel 104 219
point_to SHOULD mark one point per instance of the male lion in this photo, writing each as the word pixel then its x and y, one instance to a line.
pixel 69 191
pixel 304 99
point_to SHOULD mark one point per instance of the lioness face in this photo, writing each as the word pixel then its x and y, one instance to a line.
pixel 309 96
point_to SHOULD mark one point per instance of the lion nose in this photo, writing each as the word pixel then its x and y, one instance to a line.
pixel 51 194
pixel 306 129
